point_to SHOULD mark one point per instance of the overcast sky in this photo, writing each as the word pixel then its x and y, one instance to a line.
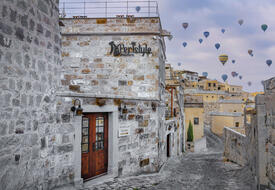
pixel 212 16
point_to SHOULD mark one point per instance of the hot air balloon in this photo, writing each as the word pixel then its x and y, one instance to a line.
pixel 233 61
pixel 269 62
pixel 185 25
pixel 206 34
pixel 240 21
pixel 223 59
pixel 240 77
pixel 264 27
pixel 138 8
pixel 223 30
pixel 217 45
pixel 179 64
pixel 205 74
pixel 184 44
pixel 234 74
pixel 200 40
pixel 250 52
pixel 249 83
pixel 224 77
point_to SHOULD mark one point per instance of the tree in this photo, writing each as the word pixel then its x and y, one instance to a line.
pixel 190 135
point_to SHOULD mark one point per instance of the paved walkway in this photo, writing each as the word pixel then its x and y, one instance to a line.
pixel 204 171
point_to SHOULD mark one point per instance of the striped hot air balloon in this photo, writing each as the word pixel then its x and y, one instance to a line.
pixel 223 58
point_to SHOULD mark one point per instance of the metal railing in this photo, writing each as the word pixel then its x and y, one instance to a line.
pixel 104 8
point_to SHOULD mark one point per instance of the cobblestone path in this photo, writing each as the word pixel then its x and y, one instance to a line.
pixel 204 171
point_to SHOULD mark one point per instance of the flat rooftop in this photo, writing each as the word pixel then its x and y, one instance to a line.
pixel 107 9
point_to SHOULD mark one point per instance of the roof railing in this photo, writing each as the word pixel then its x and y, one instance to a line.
pixel 108 9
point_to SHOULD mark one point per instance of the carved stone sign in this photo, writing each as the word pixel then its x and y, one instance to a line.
pixel 122 50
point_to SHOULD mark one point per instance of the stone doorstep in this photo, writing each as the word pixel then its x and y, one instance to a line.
pixel 110 178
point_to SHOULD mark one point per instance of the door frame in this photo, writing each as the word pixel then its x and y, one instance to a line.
pixel 112 170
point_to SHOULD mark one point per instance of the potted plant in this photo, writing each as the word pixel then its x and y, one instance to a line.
pixel 190 138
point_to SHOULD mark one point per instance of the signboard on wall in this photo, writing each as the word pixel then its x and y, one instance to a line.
pixel 123 132
pixel 123 50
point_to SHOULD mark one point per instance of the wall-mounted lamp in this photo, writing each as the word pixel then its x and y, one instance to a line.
pixel 77 110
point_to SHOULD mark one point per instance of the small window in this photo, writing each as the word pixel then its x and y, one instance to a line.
pixel 209 84
pixel 235 111
pixel 196 120
pixel 219 88
pixel 237 124
pixel 214 84
pixel 232 89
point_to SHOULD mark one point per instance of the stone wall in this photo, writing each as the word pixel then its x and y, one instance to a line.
pixel 90 66
pixel 140 117
pixel 35 149
pixel 235 146
pixel 265 134
pixel 132 83
pixel 208 108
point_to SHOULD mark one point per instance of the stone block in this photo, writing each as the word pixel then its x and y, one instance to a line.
pixel 144 162
pixel 101 21
pixel 138 77
pixel 143 123
pixel 43 143
pixel 82 44
pixel 131 116
pixel 5 28
pixel 13 15
pixel 133 145
pixel 3 128
pixel 122 83
pixel 98 60
pixel 139 130
pixel 122 148
pixel 74 88
pixel 86 71
pixel 139 118
pixel 143 136
pixel 19 33
pixel 94 82
pixel 19 131
pixel 65 118
pixel 15 102
pixel 35 153
pixel 42 6
pixel 39 28
pixel 24 21
pixel 65 148
pixel 22 5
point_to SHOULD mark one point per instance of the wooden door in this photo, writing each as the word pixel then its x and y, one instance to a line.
pixel 94 145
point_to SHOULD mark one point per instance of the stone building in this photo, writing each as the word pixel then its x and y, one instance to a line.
pixel 232 120
pixel 194 113
pixel 115 68
pixel 35 145
pixel 256 148
pixel 261 134
pixel 174 113
pixel 99 110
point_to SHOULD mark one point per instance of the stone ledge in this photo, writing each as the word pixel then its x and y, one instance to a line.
pixel 109 33
pixel 70 94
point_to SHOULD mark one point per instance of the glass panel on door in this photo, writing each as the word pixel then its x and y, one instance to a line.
pixel 85 135
pixel 99 133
